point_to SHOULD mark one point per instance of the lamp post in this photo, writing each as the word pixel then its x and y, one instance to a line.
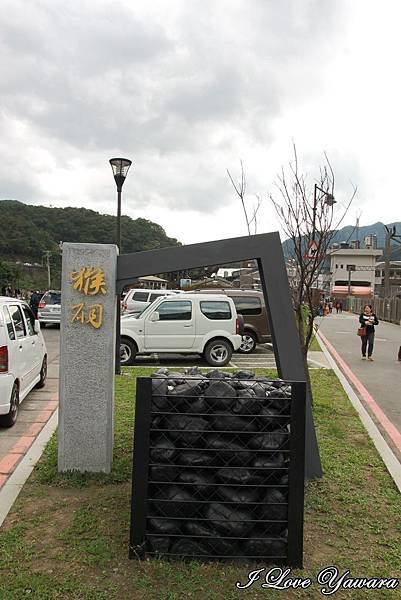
pixel 120 167
pixel 330 201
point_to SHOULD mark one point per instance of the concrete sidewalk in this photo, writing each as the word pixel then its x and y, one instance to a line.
pixel 377 383
pixel 35 411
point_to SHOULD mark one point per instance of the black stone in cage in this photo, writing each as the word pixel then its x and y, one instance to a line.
pixel 218 470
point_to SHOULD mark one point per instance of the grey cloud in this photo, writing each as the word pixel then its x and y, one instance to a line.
pixel 95 77
pixel 14 189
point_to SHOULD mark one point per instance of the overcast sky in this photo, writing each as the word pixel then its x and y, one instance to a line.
pixel 187 88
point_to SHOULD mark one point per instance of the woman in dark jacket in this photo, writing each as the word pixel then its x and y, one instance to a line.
pixel 368 320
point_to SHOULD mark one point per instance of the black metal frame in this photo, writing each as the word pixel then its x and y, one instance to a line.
pixel 140 467
pixel 140 532
pixel 267 250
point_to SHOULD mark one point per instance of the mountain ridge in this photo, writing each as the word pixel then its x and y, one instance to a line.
pixel 28 230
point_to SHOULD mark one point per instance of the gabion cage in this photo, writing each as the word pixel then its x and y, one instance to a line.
pixel 218 471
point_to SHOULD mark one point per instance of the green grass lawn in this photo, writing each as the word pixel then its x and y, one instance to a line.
pixel 314 345
pixel 67 535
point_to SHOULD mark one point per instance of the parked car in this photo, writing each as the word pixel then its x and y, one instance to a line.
pixel 183 324
pixel 251 305
pixel 136 300
pixel 23 357
pixel 49 310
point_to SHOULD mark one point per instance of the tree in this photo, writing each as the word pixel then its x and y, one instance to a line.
pixel 251 221
pixel 240 189
pixel 6 275
pixel 309 220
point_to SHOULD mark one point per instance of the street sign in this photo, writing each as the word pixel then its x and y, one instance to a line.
pixel 312 250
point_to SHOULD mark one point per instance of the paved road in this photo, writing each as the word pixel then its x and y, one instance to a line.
pixel 263 357
pixel 51 333
pixel 382 378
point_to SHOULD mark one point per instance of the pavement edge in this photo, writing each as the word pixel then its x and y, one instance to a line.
pixel 14 484
pixel 390 460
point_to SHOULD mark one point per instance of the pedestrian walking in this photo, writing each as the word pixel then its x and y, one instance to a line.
pixel 337 307
pixel 368 320
pixel 34 303
pixel 330 306
pixel 341 307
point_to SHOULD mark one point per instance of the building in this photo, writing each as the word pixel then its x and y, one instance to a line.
pixel 151 282
pixel 395 278
pixel 353 271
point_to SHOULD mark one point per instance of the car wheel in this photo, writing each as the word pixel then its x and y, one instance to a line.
pixel 128 352
pixel 218 353
pixel 10 418
pixel 43 374
pixel 248 343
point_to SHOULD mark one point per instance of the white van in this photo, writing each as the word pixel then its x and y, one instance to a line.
pixel 23 357
pixel 136 300
pixel 183 324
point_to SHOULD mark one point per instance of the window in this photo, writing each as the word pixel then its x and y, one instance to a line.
pixel 30 320
pixel 16 316
pixel 9 323
pixel 140 296
pixel 52 298
pixel 248 305
pixel 175 311
pixel 216 310
pixel 155 297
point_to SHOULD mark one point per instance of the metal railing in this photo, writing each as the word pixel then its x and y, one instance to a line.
pixel 386 309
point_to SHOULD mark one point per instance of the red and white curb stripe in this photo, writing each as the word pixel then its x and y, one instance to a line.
pixel 346 377
pixel 18 464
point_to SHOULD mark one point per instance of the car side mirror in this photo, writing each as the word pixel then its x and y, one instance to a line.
pixel 154 316
pixel 36 326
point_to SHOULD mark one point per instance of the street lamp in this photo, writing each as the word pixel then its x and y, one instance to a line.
pixel 120 168
pixel 329 201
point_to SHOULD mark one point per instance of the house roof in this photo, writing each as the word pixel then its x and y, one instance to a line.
pixel 152 278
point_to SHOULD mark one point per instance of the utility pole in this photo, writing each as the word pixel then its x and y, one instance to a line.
pixel 47 255
pixel 390 235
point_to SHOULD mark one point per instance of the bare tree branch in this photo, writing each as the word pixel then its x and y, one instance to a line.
pixel 240 190
pixel 306 217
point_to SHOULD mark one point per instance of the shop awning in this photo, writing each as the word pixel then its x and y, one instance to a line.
pixel 356 290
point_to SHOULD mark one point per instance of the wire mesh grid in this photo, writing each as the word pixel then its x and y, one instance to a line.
pixel 217 468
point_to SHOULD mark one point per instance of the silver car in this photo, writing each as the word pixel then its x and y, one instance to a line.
pixel 49 310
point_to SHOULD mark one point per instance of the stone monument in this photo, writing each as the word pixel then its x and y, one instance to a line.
pixel 87 356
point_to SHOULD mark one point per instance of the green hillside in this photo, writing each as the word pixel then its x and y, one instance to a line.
pixel 27 231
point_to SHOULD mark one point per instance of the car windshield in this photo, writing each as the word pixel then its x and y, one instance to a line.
pixel 52 298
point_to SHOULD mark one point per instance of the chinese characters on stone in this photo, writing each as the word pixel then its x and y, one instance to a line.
pixel 89 281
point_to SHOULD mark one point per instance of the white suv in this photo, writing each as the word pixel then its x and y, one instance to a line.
pixel 23 357
pixel 136 300
pixel 183 324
